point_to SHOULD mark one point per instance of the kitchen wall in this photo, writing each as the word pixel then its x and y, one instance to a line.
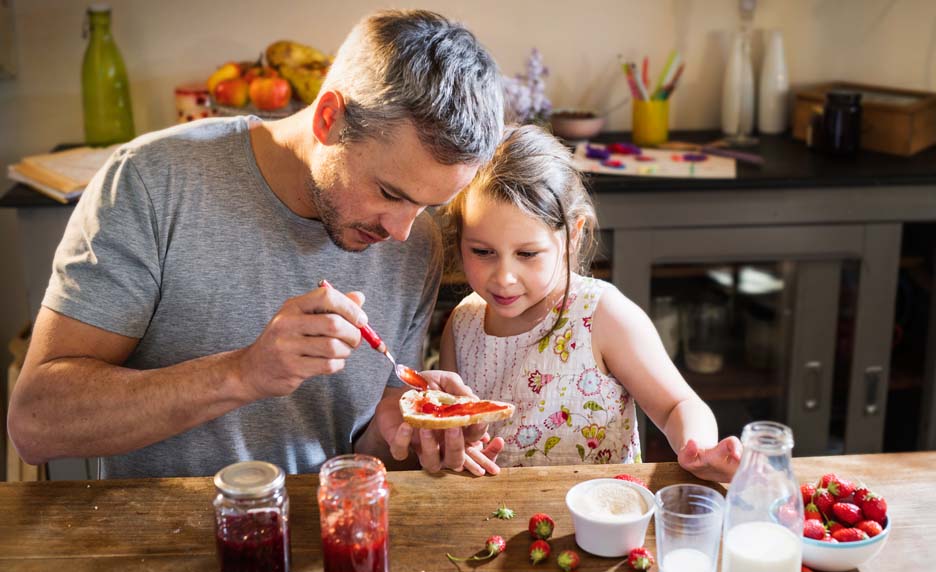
pixel 170 42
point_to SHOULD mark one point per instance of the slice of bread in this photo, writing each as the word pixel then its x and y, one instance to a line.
pixel 433 409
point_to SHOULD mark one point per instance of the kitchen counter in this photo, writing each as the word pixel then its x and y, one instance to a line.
pixel 167 524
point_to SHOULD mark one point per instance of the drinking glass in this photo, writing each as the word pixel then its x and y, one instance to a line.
pixel 688 528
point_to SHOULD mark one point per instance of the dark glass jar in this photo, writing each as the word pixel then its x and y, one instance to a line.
pixel 252 518
pixel 841 122
pixel 353 500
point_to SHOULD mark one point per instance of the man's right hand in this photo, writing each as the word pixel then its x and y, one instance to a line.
pixel 310 335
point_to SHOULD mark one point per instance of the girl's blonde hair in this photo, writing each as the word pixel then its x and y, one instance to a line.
pixel 533 171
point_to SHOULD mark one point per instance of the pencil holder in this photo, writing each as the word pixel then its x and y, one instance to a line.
pixel 650 121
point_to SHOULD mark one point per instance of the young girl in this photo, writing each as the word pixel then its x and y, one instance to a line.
pixel 571 352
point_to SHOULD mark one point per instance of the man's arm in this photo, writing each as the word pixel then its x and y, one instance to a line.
pixel 74 399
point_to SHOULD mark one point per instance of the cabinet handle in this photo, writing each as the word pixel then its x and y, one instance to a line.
pixel 813 382
pixel 872 377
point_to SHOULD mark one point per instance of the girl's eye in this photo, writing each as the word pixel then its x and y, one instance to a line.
pixel 527 254
pixel 481 251
pixel 388 196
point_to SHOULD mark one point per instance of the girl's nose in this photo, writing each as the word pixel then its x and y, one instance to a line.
pixel 505 275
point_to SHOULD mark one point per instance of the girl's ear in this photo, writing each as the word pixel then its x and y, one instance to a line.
pixel 576 233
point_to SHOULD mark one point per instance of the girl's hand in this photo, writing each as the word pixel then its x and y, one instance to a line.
pixel 716 464
pixel 481 455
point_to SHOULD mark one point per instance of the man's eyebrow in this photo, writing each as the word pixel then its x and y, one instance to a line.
pixel 403 195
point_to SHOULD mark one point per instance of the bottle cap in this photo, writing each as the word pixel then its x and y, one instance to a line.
pixel 99 7
pixel 249 479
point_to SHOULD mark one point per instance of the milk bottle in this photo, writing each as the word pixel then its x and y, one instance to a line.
pixel 764 507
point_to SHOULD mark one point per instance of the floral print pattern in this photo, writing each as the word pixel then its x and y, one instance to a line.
pixel 568 411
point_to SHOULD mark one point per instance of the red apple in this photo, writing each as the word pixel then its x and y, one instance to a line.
pixel 269 93
pixel 232 92
pixel 229 70
pixel 255 72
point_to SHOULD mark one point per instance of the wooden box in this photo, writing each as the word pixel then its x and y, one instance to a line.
pixel 896 121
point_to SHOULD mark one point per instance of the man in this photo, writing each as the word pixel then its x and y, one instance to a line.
pixel 182 329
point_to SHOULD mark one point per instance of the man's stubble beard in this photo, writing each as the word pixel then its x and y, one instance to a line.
pixel 330 216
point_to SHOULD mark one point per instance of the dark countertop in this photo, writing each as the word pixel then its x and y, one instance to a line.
pixel 789 165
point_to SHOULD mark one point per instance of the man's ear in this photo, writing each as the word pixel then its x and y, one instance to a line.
pixel 328 118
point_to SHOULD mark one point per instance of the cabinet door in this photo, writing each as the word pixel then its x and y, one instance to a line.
pixel 790 381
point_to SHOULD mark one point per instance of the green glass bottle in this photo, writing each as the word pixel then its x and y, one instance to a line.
pixel 105 91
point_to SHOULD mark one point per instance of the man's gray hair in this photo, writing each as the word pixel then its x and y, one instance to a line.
pixel 416 65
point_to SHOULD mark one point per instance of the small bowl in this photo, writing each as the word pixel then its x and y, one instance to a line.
pixel 608 535
pixel 576 123
pixel 835 557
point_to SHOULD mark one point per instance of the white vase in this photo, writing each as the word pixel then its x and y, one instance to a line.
pixel 738 89
pixel 774 87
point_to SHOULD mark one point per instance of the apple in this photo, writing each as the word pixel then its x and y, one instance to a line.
pixel 229 70
pixel 255 72
pixel 232 92
pixel 269 93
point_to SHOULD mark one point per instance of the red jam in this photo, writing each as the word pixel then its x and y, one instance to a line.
pixel 367 556
pixel 457 409
pixel 252 542
pixel 412 378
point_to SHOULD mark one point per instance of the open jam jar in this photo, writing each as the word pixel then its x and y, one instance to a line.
pixel 353 503
pixel 252 518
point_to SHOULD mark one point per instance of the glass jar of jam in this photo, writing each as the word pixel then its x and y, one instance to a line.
pixel 252 518
pixel 353 504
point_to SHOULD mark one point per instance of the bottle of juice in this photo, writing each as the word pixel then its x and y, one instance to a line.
pixel 105 91
pixel 764 508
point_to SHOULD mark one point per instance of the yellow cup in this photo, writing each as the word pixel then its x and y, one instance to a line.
pixel 650 122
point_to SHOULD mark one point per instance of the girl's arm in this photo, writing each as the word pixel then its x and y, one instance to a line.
pixel 627 346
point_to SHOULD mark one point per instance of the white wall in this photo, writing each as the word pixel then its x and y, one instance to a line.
pixel 169 42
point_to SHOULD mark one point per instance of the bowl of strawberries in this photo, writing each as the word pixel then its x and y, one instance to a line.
pixel 846 524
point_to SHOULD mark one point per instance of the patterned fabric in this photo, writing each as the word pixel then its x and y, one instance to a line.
pixel 568 412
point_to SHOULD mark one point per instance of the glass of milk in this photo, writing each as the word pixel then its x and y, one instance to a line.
pixel 764 507
pixel 688 527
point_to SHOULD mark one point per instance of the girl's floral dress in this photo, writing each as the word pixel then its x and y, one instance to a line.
pixel 568 412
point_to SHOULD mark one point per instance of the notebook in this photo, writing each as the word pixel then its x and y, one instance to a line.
pixel 62 175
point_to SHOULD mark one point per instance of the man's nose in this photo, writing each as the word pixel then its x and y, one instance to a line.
pixel 399 225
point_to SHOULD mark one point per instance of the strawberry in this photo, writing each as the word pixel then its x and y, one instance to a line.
pixel 640 559
pixel 825 480
pixel 824 501
pixel 840 488
pixel 835 527
pixel 541 526
pixel 814 529
pixel 874 508
pixel 811 512
pixel 828 538
pixel 626 477
pixel 539 551
pixel 846 512
pixel 568 560
pixel 495 545
pixel 873 528
pixel 850 535
pixel 860 494
pixel 808 490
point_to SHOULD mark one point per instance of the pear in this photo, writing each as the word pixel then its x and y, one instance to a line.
pixel 306 81
pixel 288 53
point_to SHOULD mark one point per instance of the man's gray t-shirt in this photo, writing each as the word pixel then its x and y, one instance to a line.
pixel 179 242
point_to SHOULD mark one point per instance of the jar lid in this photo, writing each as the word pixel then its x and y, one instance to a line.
pixel 842 97
pixel 99 7
pixel 249 479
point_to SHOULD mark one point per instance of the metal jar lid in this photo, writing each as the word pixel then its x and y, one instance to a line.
pixel 249 479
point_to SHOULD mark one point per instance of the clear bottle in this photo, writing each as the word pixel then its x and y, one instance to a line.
pixel 252 518
pixel 105 91
pixel 738 86
pixel 764 507
pixel 353 499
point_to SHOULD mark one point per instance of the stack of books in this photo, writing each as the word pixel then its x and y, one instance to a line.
pixel 62 175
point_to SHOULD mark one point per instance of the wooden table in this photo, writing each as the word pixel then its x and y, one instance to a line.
pixel 167 524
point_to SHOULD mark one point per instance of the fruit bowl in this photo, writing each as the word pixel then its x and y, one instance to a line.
pixel 835 557
pixel 576 123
